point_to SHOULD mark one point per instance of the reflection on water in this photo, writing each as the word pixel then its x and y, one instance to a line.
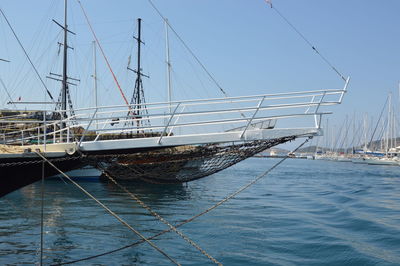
pixel 152 192
pixel 304 213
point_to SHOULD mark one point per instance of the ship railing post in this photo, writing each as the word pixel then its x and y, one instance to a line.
pixel 68 129
pixel 60 125
pixel 61 130
pixel 22 137
pixel 318 122
pixel 87 128
pixel 44 130
pixel 344 89
pixel 54 132
pixel 169 121
pixel 254 115
pixel 104 126
pixel 312 101
pixel 176 121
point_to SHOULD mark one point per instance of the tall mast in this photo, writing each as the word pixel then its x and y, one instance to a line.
pixel 327 136
pixel 95 78
pixel 138 84
pixel 395 135
pixel 138 100
pixel 168 66
pixel 389 125
pixel 365 132
pixel 65 58
pixel 139 78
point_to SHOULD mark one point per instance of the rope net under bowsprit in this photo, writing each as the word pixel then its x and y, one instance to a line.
pixel 183 163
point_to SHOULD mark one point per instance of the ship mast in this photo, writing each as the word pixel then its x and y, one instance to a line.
pixel 138 83
pixel 64 95
pixel 95 80
pixel 169 88
pixel 65 58
pixel 139 108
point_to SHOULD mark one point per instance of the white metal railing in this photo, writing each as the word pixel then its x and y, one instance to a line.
pixel 173 118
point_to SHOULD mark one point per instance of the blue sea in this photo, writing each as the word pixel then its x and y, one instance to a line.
pixel 304 212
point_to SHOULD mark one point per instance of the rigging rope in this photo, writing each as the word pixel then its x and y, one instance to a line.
pixel 196 216
pixel 108 210
pixel 26 54
pixel 188 48
pixel 268 2
pixel 104 55
pixel 191 52
pixel 8 94
pixel 173 228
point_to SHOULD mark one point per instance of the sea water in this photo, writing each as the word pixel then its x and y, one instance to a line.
pixel 302 213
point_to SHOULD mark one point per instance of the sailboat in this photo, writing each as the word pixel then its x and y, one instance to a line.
pixel 172 141
pixel 387 154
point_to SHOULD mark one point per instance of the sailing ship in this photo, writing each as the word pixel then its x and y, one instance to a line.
pixel 163 142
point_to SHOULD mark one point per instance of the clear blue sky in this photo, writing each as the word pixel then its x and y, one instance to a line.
pixel 245 44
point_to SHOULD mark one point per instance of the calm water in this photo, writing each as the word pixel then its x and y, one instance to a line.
pixel 303 213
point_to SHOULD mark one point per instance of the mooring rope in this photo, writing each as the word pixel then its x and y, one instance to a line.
pixel 173 228
pixel 193 217
pixel 306 40
pixel 108 210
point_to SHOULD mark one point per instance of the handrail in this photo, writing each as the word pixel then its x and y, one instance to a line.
pixel 220 111
pixel 198 103
pixel 216 122
pixel 203 115
pixel 227 99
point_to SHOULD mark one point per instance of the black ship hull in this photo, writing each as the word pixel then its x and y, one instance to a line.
pixel 163 165
pixel 16 173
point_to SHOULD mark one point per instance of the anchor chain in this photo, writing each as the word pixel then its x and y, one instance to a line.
pixel 173 228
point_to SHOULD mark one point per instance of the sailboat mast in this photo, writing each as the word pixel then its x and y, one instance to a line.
pixel 139 78
pixel 65 56
pixel 365 132
pixel 395 135
pixel 95 78
pixel 389 126
pixel 168 66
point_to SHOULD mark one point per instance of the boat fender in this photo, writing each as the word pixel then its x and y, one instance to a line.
pixel 70 150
